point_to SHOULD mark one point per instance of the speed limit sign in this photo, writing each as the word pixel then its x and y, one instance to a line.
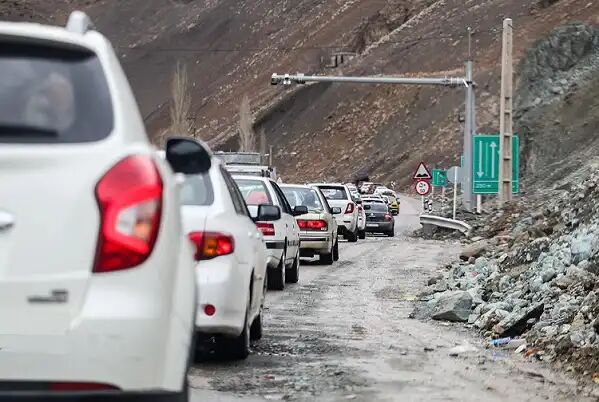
pixel 422 187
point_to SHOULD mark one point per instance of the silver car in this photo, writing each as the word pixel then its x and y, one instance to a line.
pixel 318 228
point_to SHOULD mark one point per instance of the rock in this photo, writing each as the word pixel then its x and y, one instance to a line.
pixel 462 349
pixel 548 275
pixel 584 246
pixel 517 322
pixel 474 250
pixel 434 279
pixel 453 306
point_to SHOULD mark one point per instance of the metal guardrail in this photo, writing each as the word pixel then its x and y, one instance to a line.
pixel 432 220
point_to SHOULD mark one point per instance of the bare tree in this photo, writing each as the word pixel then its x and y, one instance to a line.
pixel 181 102
pixel 247 135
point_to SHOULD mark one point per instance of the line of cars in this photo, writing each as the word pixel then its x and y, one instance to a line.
pixel 142 257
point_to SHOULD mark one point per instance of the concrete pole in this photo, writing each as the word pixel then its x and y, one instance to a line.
pixel 505 117
pixel 270 157
pixel 467 199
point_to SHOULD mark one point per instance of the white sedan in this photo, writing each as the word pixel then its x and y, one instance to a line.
pixel 231 274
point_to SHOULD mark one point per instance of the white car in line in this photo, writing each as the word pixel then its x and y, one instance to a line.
pixel 282 236
pixel 338 195
pixel 231 275
pixel 97 281
pixel 318 228
pixel 361 215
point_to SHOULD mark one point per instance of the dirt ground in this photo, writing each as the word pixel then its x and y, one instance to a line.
pixel 344 333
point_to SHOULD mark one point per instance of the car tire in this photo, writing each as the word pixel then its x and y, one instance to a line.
pixel 239 347
pixel 276 277
pixel 327 258
pixel 292 275
pixel 336 250
pixel 257 324
pixel 362 234
pixel 391 233
pixel 352 237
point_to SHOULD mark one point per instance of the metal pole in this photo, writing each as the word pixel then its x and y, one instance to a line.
pixel 455 191
pixel 287 79
pixel 505 117
pixel 270 155
pixel 479 203
pixel 468 124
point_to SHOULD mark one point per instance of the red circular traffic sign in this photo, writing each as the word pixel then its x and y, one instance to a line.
pixel 422 187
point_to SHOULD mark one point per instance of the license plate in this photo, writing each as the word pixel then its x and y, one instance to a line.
pixel 372 225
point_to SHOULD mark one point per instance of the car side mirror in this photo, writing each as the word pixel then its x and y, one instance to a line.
pixel 359 202
pixel 300 210
pixel 367 207
pixel 188 156
pixel 335 210
pixel 268 213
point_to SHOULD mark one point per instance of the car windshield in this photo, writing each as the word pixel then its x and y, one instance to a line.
pixel 378 207
pixel 197 190
pixel 334 192
pixel 52 95
pixel 303 196
pixel 254 192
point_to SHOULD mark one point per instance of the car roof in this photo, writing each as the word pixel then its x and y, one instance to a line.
pixel 248 177
pixel 328 184
pixel 295 185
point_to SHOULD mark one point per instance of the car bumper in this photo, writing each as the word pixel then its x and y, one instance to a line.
pixel 222 284
pixel 346 223
pixel 379 227
pixel 315 242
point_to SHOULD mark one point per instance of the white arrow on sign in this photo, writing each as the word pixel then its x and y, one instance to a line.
pixel 493 146
pixel 480 160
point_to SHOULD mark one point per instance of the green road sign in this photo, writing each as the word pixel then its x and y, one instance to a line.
pixel 439 178
pixel 486 163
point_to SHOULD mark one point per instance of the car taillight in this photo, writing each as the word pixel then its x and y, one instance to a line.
pixel 360 208
pixel 350 208
pixel 267 229
pixel 307 224
pixel 388 217
pixel 130 200
pixel 79 387
pixel 210 245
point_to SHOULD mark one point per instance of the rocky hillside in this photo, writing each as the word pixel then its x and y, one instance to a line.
pixel 232 47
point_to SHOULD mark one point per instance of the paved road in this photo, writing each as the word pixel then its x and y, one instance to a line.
pixel 343 333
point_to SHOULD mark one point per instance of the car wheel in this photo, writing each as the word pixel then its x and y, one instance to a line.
pixel 239 347
pixel 256 328
pixel 292 275
pixel 327 258
pixel 391 233
pixel 353 237
pixel 336 251
pixel 362 234
pixel 276 277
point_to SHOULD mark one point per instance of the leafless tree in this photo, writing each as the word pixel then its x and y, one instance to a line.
pixel 247 135
pixel 181 102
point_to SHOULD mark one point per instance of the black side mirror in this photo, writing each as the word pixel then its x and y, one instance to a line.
pixel 335 210
pixel 268 213
pixel 359 202
pixel 367 207
pixel 300 210
pixel 188 156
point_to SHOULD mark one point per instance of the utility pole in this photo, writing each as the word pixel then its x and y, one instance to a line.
pixel 506 118
pixel 270 157
pixel 452 82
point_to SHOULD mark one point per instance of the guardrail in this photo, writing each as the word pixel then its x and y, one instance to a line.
pixel 448 223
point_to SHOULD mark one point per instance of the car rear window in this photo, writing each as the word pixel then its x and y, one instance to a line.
pixel 197 190
pixel 254 192
pixel 334 192
pixel 304 197
pixel 378 207
pixel 52 95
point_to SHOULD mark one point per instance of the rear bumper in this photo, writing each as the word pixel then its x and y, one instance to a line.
pixel 381 227
pixel 223 284
pixel 316 242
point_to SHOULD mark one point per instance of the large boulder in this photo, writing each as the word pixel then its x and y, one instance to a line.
pixel 475 249
pixel 453 306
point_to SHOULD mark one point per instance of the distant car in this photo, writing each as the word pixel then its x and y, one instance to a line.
pixel 282 236
pixel 318 228
pixel 393 205
pixel 338 195
pixel 361 215
pixel 231 275
pixel 379 218
pixel 97 283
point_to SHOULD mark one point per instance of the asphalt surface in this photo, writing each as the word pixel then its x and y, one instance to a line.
pixel 344 333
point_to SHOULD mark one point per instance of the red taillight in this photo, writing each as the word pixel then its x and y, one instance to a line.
pixel 306 224
pixel 350 208
pixel 210 245
pixel 80 386
pixel 209 310
pixel 388 217
pixel 130 201
pixel 360 208
pixel 267 229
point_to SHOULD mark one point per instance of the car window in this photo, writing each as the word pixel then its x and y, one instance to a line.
pixel 334 192
pixel 378 207
pixel 238 202
pixel 303 196
pixel 323 200
pixel 281 197
pixel 254 192
pixel 52 95
pixel 197 190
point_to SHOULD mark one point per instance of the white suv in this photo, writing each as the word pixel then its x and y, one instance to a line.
pixel 97 287
pixel 232 273
pixel 282 236
pixel 338 195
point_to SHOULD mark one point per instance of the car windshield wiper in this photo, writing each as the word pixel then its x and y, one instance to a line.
pixel 7 130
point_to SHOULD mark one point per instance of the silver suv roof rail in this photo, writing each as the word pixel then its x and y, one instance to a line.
pixel 79 22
